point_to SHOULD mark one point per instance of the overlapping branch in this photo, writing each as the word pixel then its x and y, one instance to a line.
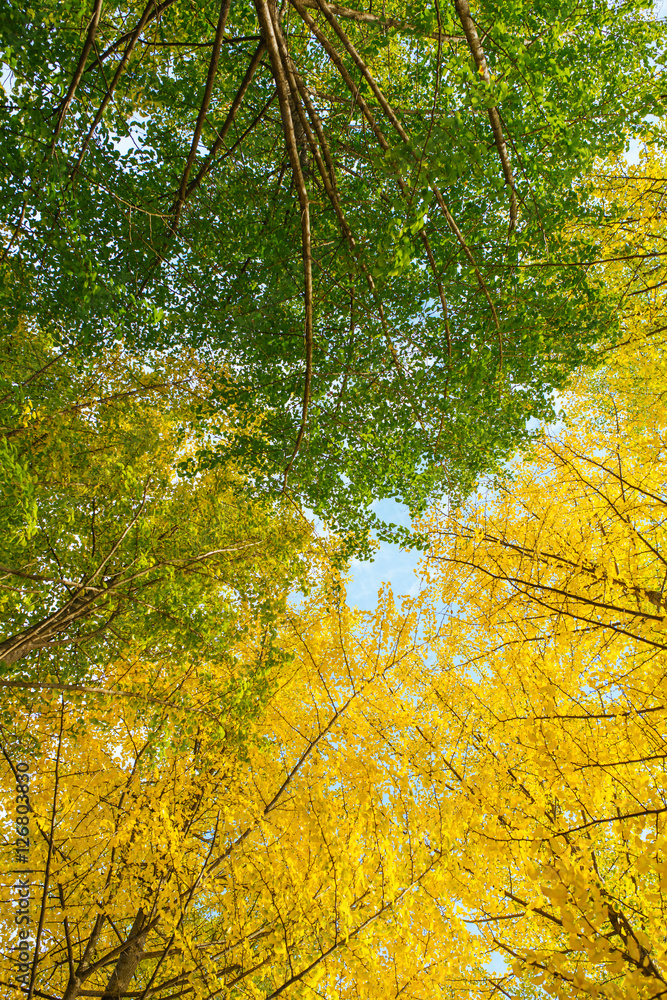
pixel 78 73
pixel 376 20
pixel 269 22
pixel 206 100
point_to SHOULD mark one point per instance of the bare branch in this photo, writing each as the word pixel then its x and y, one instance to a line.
pixel 270 27
pixel 157 11
pixel 222 132
pixel 141 24
pixel 366 17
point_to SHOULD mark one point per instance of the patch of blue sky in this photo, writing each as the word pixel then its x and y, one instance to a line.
pixel 6 79
pixel 392 564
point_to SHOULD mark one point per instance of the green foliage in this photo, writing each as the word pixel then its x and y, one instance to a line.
pixel 106 548
pixel 425 363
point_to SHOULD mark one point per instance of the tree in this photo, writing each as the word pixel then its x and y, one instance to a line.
pixel 168 864
pixel 390 819
pixel 514 786
pixel 361 215
pixel 106 542
pixel 552 653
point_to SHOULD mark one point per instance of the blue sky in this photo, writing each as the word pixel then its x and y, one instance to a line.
pixel 391 564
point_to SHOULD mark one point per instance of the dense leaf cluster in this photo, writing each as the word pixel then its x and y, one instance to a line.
pixel 357 217
pixel 106 548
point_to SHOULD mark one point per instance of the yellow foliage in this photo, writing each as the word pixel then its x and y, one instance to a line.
pixel 553 716
pixel 319 863
pixel 479 772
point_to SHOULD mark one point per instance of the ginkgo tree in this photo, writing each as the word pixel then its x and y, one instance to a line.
pixel 391 819
pixel 553 716
pixel 553 653
pixel 106 541
pixel 174 856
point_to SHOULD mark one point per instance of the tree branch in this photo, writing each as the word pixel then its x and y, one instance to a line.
pixel 270 28
pixel 141 24
pixel 475 46
pixel 78 73
pixel 206 100
pixel 366 17
pixel 236 104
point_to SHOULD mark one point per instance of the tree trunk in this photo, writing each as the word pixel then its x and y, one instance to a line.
pixel 126 966
pixel 76 979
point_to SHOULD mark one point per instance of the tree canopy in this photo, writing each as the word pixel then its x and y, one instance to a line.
pixel 105 544
pixel 360 216
pixel 552 652
pixel 262 262
pixel 476 771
